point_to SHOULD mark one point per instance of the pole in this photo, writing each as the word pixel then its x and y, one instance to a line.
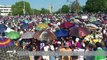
pixel 24 10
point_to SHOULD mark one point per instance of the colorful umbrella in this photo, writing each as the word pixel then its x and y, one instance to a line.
pixel 44 35
pixel 4 42
pixel 2 28
pixel 13 35
pixel 66 25
pixel 41 26
pixel 61 33
pixel 79 32
pixel 27 35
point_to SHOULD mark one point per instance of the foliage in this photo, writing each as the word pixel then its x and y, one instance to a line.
pixel 35 11
pixel 75 6
pixel 17 8
pixel 44 11
pixel 65 9
pixel 96 6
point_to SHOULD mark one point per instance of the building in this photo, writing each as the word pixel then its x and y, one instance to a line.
pixel 5 10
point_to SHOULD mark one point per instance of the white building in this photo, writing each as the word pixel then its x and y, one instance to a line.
pixel 5 10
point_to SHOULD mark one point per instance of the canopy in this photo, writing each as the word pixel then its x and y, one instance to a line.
pixel 9 30
pixel 45 35
pixel 13 35
pixel 66 25
pixel 91 26
pixel 27 35
pixel 41 26
pixel 5 42
pixel 79 32
pixel 61 33
pixel 2 28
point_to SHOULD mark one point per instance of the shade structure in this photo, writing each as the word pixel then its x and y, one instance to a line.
pixel 26 21
pixel 9 30
pixel 97 23
pixel 41 26
pixel 44 35
pixel 66 25
pixel 27 35
pixel 2 28
pixel 5 42
pixel 61 33
pixel 92 26
pixel 13 35
pixel 4 55
pixel 79 32
pixel 92 19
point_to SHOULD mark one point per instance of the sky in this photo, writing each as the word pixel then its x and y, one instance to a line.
pixel 38 4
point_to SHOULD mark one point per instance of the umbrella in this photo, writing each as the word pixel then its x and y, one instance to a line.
pixel 4 42
pixel 44 35
pixel 26 21
pixel 13 35
pixel 61 33
pixel 97 23
pixel 9 30
pixel 2 28
pixel 92 26
pixel 79 32
pixel 92 19
pixel 27 35
pixel 8 53
pixel 25 26
pixel 66 25
pixel 41 26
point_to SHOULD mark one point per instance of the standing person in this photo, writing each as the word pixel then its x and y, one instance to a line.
pixel 65 49
pixel 99 49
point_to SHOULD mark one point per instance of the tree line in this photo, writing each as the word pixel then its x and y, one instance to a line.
pixel 91 6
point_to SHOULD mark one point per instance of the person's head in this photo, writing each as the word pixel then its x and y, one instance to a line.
pixel 98 44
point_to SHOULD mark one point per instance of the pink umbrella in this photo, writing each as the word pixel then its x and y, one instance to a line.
pixel 105 22
pixel 66 25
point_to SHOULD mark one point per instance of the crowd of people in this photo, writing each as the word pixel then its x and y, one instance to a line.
pixel 72 32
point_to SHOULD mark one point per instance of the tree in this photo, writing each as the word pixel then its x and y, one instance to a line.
pixel 35 11
pixel 17 8
pixel 96 5
pixel 75 6
pixel 44 11
pixel 65 9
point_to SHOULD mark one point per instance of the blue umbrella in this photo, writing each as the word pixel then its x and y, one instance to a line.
pixel 97 23
pixel 26 21
pixel 24 26
pixel 2 28
pixel 61 33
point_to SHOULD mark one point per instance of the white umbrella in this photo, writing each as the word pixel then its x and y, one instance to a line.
pixel 92 25
pixel 27 35
pixel 9 30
